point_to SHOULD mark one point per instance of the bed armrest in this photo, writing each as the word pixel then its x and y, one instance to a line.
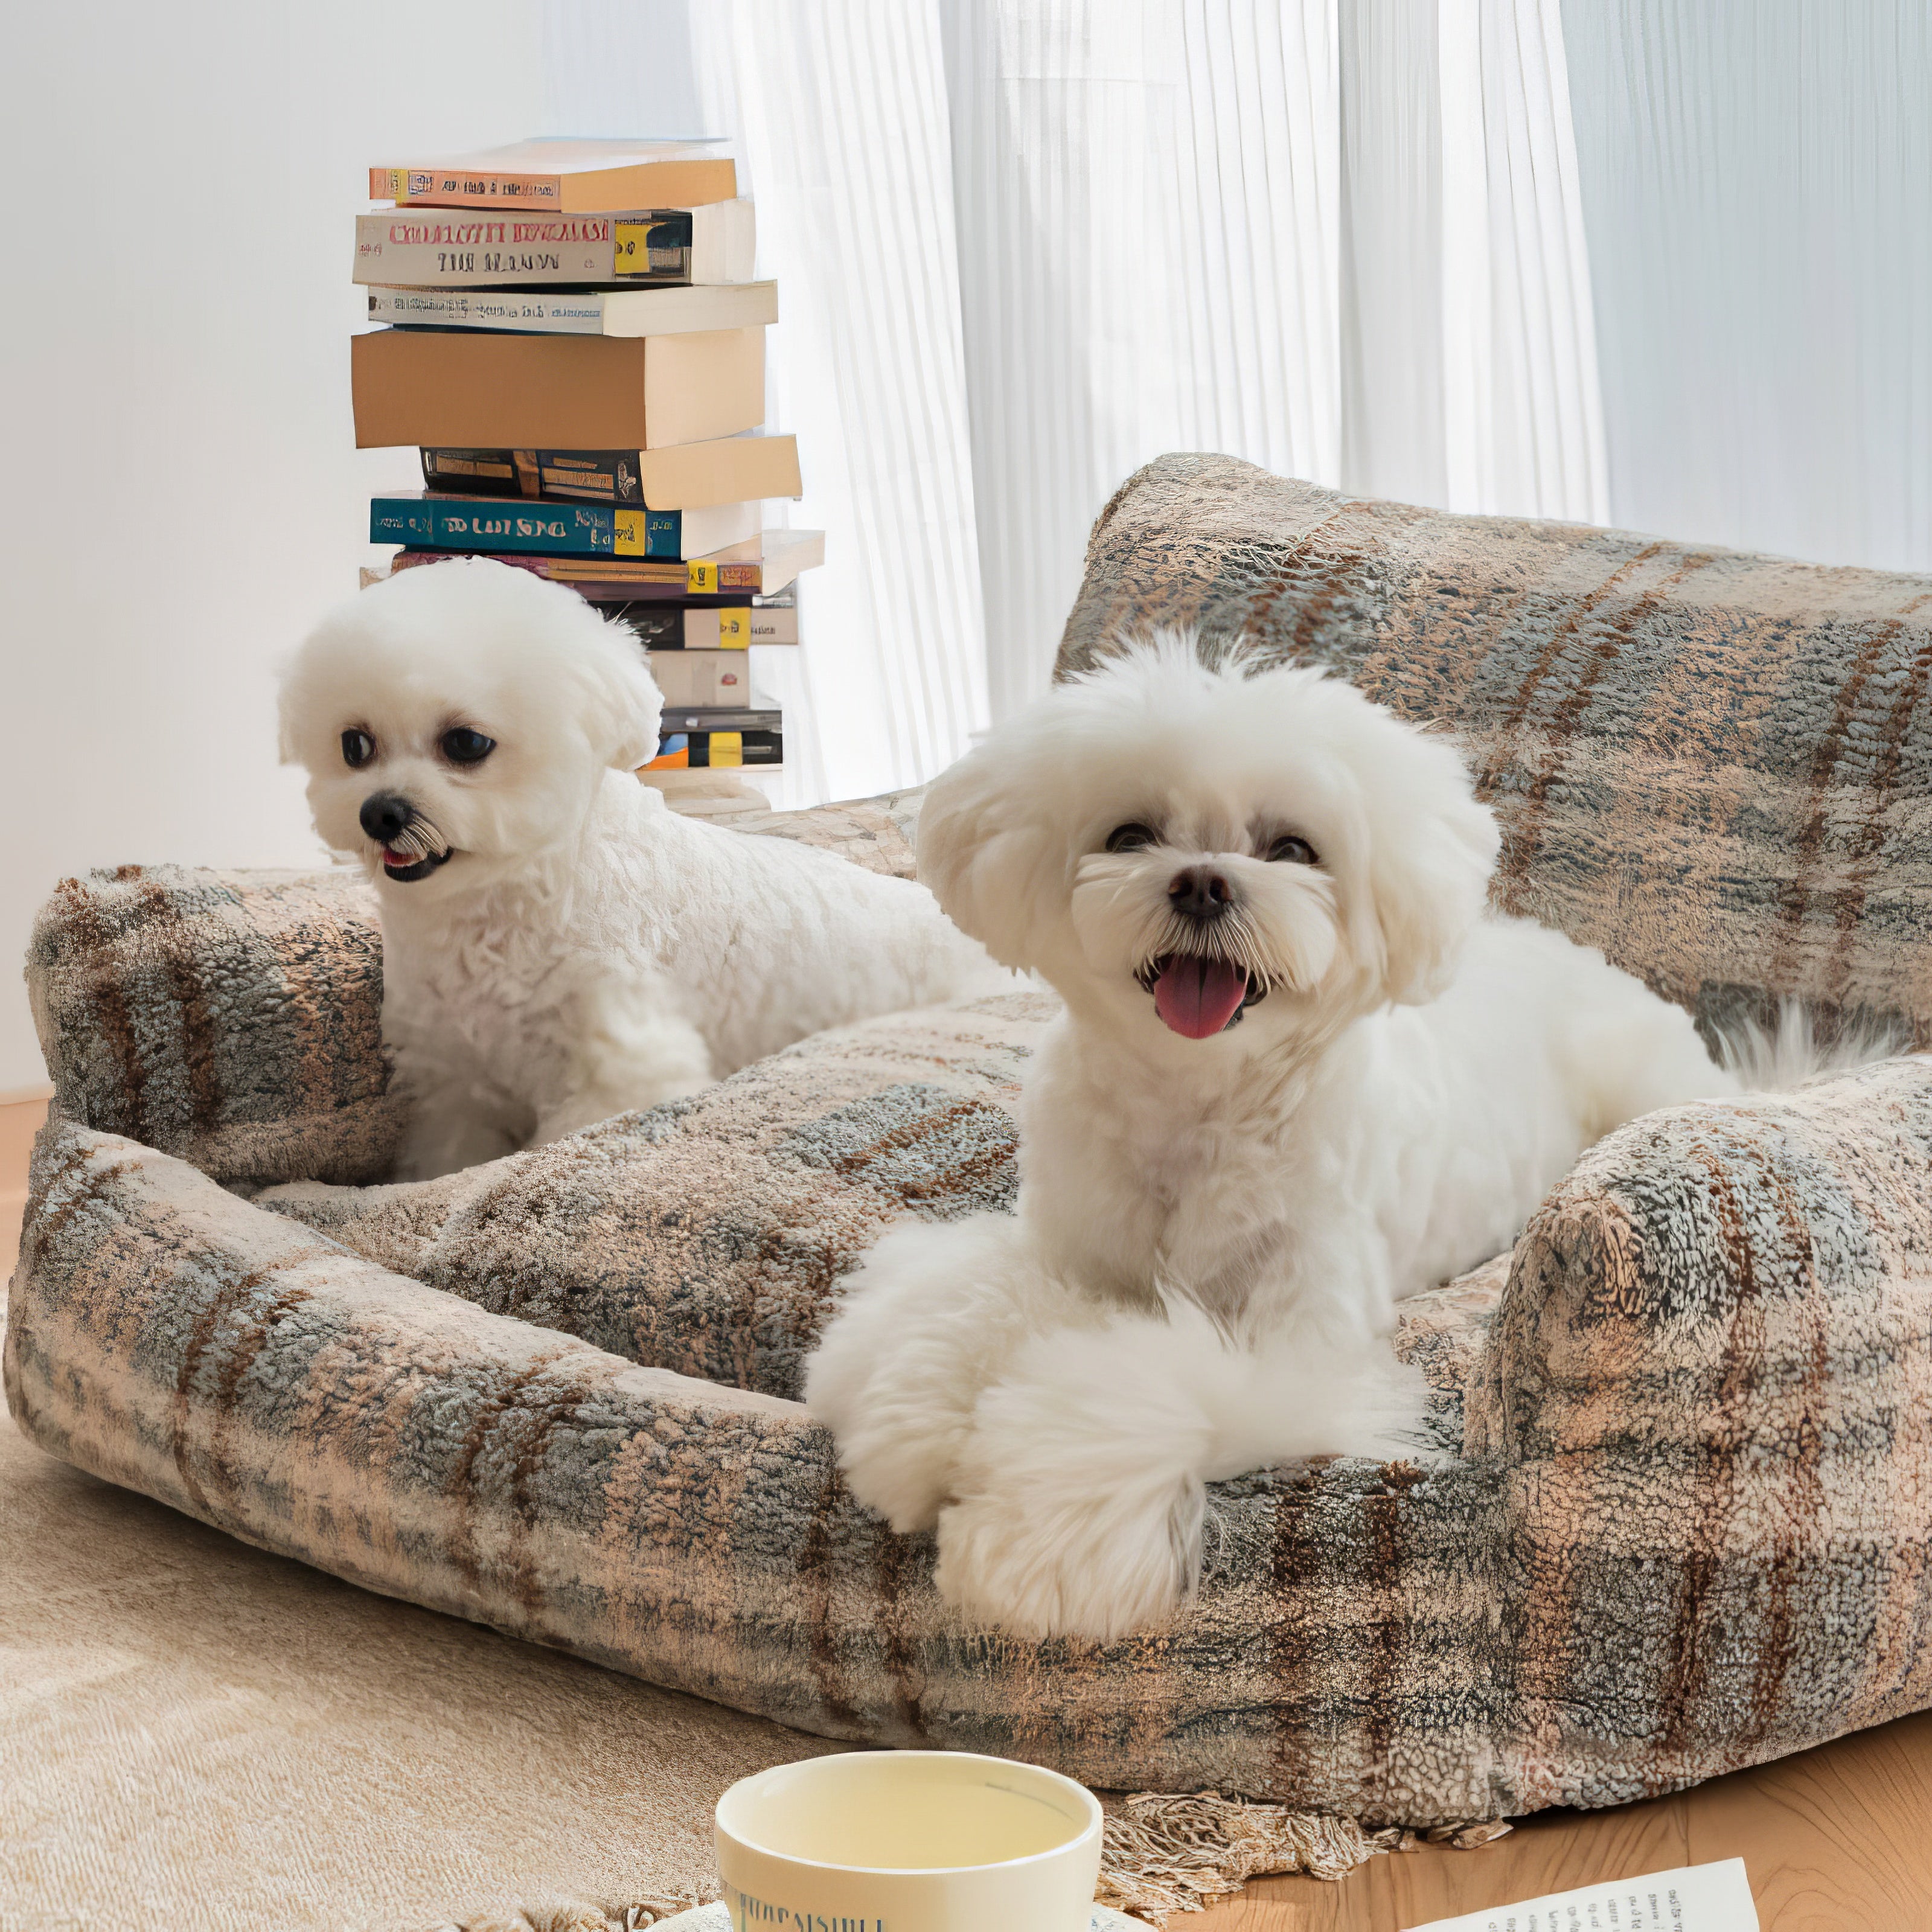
pixel 233 1019
pixel 1744 1281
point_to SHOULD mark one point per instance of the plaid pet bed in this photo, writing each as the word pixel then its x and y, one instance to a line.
pixel 1686 1529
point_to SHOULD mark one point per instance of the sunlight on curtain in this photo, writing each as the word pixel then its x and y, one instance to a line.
pixel 1024 246
pixel 1147 197
pixel 840 117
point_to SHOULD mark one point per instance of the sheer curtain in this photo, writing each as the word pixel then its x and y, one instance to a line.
pixel 1025 245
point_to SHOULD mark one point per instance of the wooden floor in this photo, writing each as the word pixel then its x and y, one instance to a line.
pixel 1838 1841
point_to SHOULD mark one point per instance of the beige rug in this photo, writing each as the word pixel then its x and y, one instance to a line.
pixel 194 1733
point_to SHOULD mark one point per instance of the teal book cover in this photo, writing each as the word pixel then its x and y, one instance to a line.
pixel 423 520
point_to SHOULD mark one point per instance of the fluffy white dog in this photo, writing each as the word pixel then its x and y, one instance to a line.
pixel 1300 1075
pixel 558 946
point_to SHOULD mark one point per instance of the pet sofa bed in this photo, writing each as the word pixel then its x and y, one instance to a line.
pixel 1687 1527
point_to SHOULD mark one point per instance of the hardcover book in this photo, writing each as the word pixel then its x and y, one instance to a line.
pixel 654 311
pixel 424 521
pixel 566 176
pixel 726 470
pixel 694 740
pixel 766 563
pixel 714 678
pixel 454 248
pixel 668 627
pixel 438 389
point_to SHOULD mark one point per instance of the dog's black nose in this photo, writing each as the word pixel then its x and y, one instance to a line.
pixel 384 815
pixel 1200 892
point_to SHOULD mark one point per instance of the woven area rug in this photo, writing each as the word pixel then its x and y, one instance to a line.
pixel 197 1733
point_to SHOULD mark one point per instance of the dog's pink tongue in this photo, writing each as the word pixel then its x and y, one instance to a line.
pixel 1197 997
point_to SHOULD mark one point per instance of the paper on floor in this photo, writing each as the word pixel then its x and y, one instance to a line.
pixel 1693 1898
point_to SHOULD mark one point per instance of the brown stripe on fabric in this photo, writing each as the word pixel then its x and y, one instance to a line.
pixel 1311 615
pixel 1775 1649
pixel 1794 897
pixel 522 1580
pixel 1381 1583
pixel 1532 682
pixel 815 1568
pixel 1717 1485
pixel 459 1488
pixel 949 1181
pixel 108 1018
pixel 201 1338
pixel 1522 830
pixel 1392 650
pixel 41 1230
pixel 1867 839
pixel 1343 566
pixel 900 1582
pixel 241 1358
pixel 1292 1628
pixel 198 1036
pixel 296 947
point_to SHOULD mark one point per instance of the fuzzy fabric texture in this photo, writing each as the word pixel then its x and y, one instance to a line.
pixel 1687 1529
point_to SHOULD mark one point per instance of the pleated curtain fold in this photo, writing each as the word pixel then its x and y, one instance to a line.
pixel 1023 246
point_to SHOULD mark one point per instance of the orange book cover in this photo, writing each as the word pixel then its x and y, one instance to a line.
pixel 564 177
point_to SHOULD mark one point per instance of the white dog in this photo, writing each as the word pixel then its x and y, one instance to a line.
pixel 558 946
pixel 1300 1075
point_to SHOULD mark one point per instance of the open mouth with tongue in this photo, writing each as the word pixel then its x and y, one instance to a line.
pixel 407 867
pixel 1198 995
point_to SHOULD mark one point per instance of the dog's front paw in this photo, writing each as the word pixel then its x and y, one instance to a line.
pixel 900 1465
pixel 1092 1566
pixel 896 1444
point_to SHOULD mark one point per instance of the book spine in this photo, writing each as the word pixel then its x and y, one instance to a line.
pixel 574 313
pixel 490 185
pixel 685 627
pixel 696 750
pixel 571 530
pixel 570 476
pixel 711 679
pixel 448 248
pixel 665 583
pixel 765 625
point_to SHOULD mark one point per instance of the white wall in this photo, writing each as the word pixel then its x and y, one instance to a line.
pixel 181 496
pixel 1756 181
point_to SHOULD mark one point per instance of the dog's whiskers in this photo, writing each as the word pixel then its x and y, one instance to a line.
pixel 1234 938
pixel 419 839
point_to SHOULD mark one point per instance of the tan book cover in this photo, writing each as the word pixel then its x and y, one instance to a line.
pixel 564 177
pixel 422 387
pixel 688 475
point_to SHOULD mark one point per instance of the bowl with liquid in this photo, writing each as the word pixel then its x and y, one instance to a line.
pixel 908 1841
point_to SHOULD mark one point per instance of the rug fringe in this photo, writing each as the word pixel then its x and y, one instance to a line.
pixel 1161 1854
pixel 577 1915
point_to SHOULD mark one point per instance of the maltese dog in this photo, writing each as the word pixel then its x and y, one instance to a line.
pixel 1301 1073
pixel 558 945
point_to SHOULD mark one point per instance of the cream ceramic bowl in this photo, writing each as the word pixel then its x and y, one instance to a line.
pixel 908 1841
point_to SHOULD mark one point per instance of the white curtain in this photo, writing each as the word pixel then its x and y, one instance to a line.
pixel 1024 246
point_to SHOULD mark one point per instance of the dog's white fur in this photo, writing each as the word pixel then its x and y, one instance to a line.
pixel 585 950
pixel 1213 1233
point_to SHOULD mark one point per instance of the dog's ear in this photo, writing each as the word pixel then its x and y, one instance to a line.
pixel 1430 850
pixel 994 866
pixel 623 706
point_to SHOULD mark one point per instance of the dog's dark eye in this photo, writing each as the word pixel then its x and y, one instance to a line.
pixel 357 748
pixel 1295 851
pixel 1132 839
pixel 462 746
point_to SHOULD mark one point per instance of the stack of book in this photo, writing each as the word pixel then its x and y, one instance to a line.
pixel 569 334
